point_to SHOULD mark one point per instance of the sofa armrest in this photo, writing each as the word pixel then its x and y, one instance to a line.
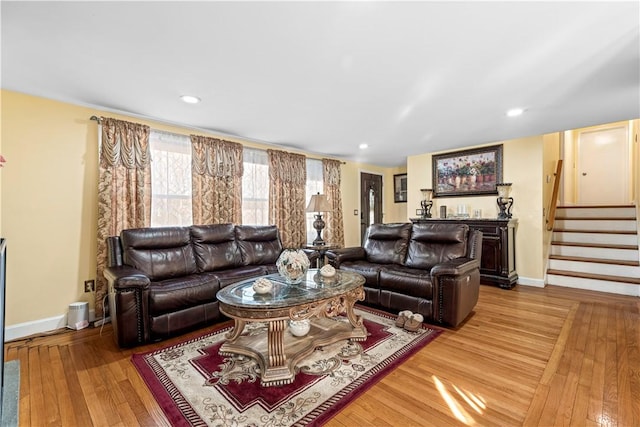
pixel 475 245
pixel 456 289
pixel 128 307
pixel 126 277
pixel 455 267
pixel 338 256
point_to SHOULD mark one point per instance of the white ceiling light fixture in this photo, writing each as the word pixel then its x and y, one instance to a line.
pixel 190 99
pixel 514 112
pixel 363 146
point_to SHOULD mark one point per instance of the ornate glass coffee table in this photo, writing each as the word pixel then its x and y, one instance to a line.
pixel 317 298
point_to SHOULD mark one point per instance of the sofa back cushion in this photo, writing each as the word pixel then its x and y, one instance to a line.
pixel 160 253
pixel 432 244
pixel 259 244
pixel 387 243
pixel 215 247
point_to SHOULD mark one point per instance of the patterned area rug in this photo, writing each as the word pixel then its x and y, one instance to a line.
pixel 195 386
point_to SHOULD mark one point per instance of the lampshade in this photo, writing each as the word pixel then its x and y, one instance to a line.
pixel 318 203
pixel 427 193
pixel 504 188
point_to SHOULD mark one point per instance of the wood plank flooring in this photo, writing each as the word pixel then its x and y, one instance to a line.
pixel 527 357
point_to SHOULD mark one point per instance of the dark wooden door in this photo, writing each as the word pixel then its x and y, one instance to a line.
pixel 370 201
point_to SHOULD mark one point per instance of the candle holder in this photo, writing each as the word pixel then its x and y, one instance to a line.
pixel 505 202
pixel 426 203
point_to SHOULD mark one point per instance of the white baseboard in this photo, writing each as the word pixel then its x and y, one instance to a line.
pixel 526 281
pixel 26 329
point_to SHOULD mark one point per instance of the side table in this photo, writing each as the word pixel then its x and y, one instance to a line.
pixel 322 249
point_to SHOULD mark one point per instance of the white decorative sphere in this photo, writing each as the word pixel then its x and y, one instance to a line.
pixel 328 271
pixel 262 286
pixel 299 328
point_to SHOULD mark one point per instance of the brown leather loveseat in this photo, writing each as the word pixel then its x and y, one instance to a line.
pixel 431 269
pixel 163 281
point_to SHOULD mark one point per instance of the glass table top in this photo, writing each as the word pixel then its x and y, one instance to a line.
pixel 314 287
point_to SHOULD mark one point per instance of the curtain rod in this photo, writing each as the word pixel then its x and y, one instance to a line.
pixel 99 120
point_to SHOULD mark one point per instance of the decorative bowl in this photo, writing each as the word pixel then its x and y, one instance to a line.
pixel 293 265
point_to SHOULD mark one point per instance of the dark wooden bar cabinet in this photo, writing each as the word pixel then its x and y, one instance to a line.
pixel 498 263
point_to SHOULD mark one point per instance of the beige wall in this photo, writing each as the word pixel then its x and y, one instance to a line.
pixel 635 167
pixel 49 202
pixel 522 166
pixel 48 205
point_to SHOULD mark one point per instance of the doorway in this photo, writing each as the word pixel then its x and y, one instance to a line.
pixel 602 167
pixel 370 201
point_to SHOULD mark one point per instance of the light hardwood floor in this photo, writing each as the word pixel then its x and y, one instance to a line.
pixel 528 356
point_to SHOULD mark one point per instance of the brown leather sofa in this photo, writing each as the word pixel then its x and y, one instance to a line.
pixel 163 281
pixel 431 269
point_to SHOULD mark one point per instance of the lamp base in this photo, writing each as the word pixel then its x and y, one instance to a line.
pixel 426 208
pixel 318 224
pixel 505 205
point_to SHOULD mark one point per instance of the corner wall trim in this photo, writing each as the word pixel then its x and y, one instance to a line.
pixel 526 281
pixel 26 329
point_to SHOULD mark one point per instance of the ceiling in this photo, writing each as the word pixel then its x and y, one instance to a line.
pixel 403 77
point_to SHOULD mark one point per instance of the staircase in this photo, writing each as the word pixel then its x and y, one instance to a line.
pixel 596 248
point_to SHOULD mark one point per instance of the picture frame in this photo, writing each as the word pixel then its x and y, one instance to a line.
pixel 464 173
pixel 400 188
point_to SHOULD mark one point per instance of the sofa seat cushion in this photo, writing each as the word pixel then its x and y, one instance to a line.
pixel 408 281
pixel 232 275
pixel 368 270
pixel 176 294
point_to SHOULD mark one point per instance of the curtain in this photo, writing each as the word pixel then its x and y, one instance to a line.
pixel 216 180
pixel 124 188
pixel 334 230
pixel 287 182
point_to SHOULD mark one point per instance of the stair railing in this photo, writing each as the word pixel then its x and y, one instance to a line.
pixel 551 212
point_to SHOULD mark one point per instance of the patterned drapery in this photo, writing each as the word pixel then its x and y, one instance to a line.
pixel 287 184
pixel 216 180
pixel 334 230
pixel 124 189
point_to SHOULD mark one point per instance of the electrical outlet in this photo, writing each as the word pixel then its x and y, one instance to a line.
pixel 89 285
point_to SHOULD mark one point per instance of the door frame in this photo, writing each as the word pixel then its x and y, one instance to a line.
pixel 382 204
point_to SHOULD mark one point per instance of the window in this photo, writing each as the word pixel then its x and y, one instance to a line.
pixel 315 185
pixel 170 179
pixel 255 187
pixel 171 183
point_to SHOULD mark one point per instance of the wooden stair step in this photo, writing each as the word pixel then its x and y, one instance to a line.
pixel 594 245
pixel 620 279
pixel 596 260
pixel 571 230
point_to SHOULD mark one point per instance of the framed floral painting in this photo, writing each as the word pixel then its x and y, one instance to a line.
pixel 467 173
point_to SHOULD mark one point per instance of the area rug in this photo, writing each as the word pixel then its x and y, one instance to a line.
pixel 195 386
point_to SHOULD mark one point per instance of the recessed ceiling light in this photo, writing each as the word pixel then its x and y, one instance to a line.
pixel 363 146
pixel 190 99
pixel 514 112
